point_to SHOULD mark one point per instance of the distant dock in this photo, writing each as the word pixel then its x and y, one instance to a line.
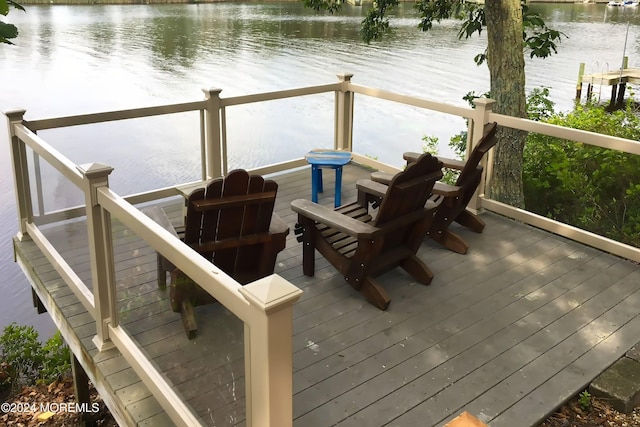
pixel 617 79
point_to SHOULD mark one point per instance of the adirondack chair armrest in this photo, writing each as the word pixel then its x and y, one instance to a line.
pixel 412 157
pixel 452 163
pixel 446 190
pixel 382 177
pixel 372 187
pixel 333 219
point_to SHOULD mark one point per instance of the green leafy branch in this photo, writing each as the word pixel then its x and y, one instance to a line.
pixel 539 39
pixel 8 31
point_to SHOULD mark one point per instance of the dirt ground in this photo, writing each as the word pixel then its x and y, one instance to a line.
pixel 27 411
pixel 599 414
pixel 54 405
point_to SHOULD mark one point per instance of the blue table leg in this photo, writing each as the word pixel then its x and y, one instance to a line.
pixel 315 171
pixel 319 173
pixel 338 195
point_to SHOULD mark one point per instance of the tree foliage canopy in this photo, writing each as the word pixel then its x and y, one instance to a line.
pixel 8 31
pixel 540 40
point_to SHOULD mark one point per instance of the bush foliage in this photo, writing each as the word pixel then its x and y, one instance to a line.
pixel 25 361
pixel 593 188
pixel 589 187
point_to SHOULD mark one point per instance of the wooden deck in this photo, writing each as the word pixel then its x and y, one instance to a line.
pixel 506 332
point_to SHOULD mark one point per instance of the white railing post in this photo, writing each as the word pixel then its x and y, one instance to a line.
pixel 484 106
pixel 101 253
pixel 20 166
pixel 212 131
pixel 343 139
pixel 269 352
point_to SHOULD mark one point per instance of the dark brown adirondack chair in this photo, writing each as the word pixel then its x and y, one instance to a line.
pixel 453 199
pixel 231 223
pixel 360 246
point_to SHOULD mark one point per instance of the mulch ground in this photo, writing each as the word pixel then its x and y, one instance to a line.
pixel 598 414
pixel 53 405
pixel 29 400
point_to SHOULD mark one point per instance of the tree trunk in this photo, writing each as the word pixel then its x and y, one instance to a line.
pixel 505 58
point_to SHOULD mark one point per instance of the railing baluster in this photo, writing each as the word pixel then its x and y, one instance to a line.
pixel 101 253
pixel 223 129
pixel 203 147
pixel 344 115
pixel 484 107
pixel 22 188
pixel 38 176
pixel 212 126
pixel 268 352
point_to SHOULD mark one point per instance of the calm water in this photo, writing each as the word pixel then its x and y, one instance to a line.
pixel 79 59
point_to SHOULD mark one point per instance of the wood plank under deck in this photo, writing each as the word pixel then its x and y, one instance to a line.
pixel 506 332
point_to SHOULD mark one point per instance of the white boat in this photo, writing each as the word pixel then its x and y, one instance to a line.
pixel 623 3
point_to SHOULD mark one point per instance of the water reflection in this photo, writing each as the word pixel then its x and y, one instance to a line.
pixel 79 59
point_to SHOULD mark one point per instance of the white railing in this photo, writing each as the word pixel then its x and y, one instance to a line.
pixel 265 306
pixel 266 321
pixel 573 233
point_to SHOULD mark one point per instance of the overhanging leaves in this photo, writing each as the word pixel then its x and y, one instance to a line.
pixel 330 6
pixel 8 31
pixel 374 25
pixel 538 38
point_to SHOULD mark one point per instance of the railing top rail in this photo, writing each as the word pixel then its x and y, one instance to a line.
pixel 280 94
pixel 466 112
pixel 591 138
pixel 65 166
pixel 108 116
pixel 224 288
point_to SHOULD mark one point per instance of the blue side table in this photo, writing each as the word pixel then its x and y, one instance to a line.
pixel 333 159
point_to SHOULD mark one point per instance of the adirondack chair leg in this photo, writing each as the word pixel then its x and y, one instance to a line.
pixel 471 221
pixel 189 319
pixel 451 241
pixel 374 293
pixel 308 246
pixel 418 269
pixel 162 272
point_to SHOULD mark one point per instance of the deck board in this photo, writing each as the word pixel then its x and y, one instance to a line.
pixel 507 332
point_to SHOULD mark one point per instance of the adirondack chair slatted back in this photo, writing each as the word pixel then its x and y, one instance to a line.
pixel 471 173
pixel 238 206
pixel 409 190
pixel 407 193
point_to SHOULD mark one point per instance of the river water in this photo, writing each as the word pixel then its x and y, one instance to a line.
pixel 80 59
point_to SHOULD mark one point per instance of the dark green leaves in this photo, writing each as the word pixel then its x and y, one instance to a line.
pixel 374 25
pixel 8 31
pixel 331 6
pixel 540 39
pixel 436 10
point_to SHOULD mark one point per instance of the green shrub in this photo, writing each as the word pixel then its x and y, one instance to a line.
pixel 593 188
pixel 57 359
pixel 26 361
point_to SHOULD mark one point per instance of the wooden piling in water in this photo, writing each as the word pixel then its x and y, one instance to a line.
pixel 579 84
